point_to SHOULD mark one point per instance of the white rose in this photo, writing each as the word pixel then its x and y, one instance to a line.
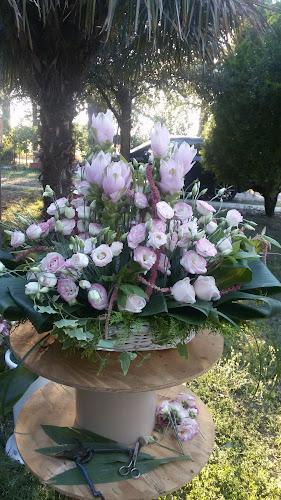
pixel 233 217
pixel 34 232
pixel 17 239
pixel 32 288
pixel 206 289
pixel 211 227
pixel 183 291
pixel 134 303
pixel 78 261
pixel 47 279
pixel 116 248
pixel 156 239
pixel 224 246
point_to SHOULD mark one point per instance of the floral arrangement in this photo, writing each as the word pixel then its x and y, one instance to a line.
pixel 179 415
pixel 132 247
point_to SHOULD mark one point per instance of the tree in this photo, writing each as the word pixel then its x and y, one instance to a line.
pixel 243 141
pixel 47 46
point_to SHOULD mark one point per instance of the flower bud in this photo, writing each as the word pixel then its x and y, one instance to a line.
pixel 85 284
pixel 48 192
pixel 69 212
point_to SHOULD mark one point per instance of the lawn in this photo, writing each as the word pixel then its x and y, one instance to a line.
pixel 243 393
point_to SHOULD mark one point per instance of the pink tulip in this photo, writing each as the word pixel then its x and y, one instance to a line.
pixel 160 140
pixel 171 177
pixel 104 127
pixel 116 180
pixel 94 173
pixel 185 155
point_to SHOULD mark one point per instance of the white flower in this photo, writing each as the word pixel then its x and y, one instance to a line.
pixel 183 291
pixel 17 239
pixel 85 284
pixel 206 289
pixel 47 279
pixel 211 227
pixel 57 206
pixel 224 246
pixel 164 210
pixel 34 232
pixel 104 127
pixel 156 239
pixel 233 218
pixel 78 261
pixel 32 288
pixel 134 303
pixel 69 212
pixel 116 248
pixel 83 212
pixel 204 208
pixel 160 140
pixel 102 255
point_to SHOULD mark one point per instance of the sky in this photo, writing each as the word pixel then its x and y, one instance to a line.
pixel 21 114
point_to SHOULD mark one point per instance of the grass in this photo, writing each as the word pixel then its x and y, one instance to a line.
pixel 243 394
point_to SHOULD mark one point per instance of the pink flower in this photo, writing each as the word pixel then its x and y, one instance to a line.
pixel 52 263
pixel 67 289
pixel 156 239
pixel 45 228
pixel 94 173
pixel 136 235
pixel 77 202
pixel 17 239
pixel 140 200
pixel 34 232
pixel 183 211
pixel 67 226
pixel 205 248
pixel 164 264
pixel 206 289
pixel 82 187
pixel 94 229
pixel 188 429
pixel 57 206
pixel 172 241
pixel 98 297
pixel 102 255
pixel 164 210
pixel 134 303
pixel 171 177
pixel 160 140
pixel 185 155
pixel 145 257
pixel 233 218
pixel 183 291
pixel 186 400
pixel 204 208
pixel 104 127
pixel 194 263
pixel 158 225
pixel 117 180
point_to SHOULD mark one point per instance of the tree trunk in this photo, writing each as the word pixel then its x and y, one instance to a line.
pixel 57 146
pixel 6 113
pixel 125 123
pixel 270 201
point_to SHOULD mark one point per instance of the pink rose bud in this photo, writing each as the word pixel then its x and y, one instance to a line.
pixel 205 248
pixel 183 210
pixel 52 263
pixel 98 297
pixel 94 173
pixel 164 210
pixel 145 257
pixel 67 289
pixel 194 263
pixel 140 200
pixel 102 255
pixel 183 291
pixel 134 303
pixel 233 217
pixel 206 289
pixel 160 140
pixel 104 127
pixel 136 235
pixel 67 226
pixel 171 177
pixel 185 155
pixel 17 239
pixel 34 232
pixel 57 206
pixel 204 208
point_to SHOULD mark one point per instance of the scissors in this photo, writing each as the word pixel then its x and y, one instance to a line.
pixel 131 468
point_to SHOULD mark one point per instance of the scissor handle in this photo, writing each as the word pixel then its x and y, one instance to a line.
pixel 124 470
pixel 135 473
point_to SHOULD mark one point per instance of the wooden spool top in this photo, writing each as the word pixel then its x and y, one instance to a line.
pixel 162 369
pixel 55 405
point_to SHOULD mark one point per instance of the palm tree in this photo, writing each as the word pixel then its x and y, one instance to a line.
pixel 46 48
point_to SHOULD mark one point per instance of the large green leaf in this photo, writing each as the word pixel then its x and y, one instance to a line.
pixel 156 305
pixel 71 435
pixel 246 306
pixel 8 259
pixel 227 276
pixel 8 307
pixel 262 279
pixel 13 384
pixel 42 322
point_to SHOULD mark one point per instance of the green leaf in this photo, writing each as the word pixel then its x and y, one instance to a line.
pixel 246 306
pixel 125 360
pixel 156 305
pixel 265 237
pixel 8 307
pixel 227 276
pixel 262 279
pixel 78 333
pixel 128 289
pixel 46 309
pixel 71 435
pixel 13 384
pixel 42 322
pixel 66 323
pixel 182 350
pixel 8 259
pixel 105 344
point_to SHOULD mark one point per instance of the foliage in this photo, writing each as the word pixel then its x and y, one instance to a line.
pixel 80 137
pixel 242 143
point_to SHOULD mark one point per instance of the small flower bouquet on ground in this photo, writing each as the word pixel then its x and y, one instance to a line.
pixel 132 253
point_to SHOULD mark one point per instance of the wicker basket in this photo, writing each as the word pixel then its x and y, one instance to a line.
pixel 140 339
